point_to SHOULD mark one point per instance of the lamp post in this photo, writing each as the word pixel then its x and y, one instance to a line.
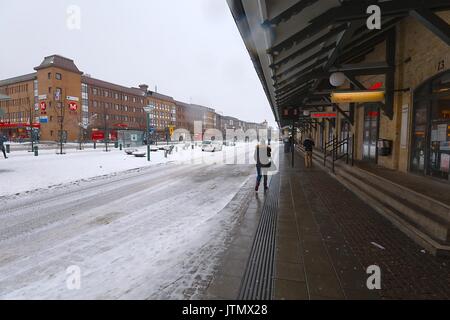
pixel 148 109
pixel 33 109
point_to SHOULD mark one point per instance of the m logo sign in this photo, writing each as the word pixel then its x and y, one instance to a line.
pixel 374 20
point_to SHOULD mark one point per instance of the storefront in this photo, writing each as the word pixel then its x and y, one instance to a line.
pixel 430 143
pixel 19 131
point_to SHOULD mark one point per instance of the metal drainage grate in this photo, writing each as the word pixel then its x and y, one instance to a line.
pixel 257 280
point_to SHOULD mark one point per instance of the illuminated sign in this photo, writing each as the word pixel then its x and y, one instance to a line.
pixel 376 86
pixel 43 106
pixel 73 106
pixel 357 96
pixel 323 114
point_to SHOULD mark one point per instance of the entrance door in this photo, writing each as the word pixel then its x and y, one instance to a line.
pixel 430 152
pixel 345 133
pixel 321 135
pixel 419 137
pixel 439 156
pixel 371 123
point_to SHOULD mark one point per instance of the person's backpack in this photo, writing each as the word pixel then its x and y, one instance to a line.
pixel 264 165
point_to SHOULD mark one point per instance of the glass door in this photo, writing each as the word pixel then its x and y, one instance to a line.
pixel 370 132
pixel 419 138
pixel 439 156
pixel 345 133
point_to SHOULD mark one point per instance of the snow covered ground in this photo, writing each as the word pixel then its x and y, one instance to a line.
pixel 23 172
pixel 153 232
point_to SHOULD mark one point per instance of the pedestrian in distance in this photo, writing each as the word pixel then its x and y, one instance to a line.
pixel 308 144
pixel 263 160
pixel 3 139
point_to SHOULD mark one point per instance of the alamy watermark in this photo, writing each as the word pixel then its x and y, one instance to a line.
pixel 73 281
pixel 374 280
pixel 374 20
pixel 73 17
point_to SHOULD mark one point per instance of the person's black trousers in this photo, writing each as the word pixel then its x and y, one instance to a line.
pixel 259 175
pixel 4 153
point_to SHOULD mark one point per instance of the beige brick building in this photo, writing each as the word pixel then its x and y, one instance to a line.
pixel 420 125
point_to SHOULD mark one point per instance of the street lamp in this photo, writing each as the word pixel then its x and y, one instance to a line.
pixel 148 109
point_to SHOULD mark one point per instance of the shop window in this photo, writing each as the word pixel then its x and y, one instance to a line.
pixel 430 143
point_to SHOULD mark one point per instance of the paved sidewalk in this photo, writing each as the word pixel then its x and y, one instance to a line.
pixel 336 236
pixel 326 238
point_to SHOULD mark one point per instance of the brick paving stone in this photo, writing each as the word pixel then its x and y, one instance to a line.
pixel 406 272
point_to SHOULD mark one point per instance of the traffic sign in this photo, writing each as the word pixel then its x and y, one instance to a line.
pixel 73 106
pixel 98 135
pixel 43 105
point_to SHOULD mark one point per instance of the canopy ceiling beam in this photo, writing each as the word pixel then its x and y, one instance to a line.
pixel 432 22
pixel 355 10
pixel 331 33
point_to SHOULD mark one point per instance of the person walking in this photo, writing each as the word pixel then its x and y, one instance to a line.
pixel 3 139
pixel 308 144
pixel 262 157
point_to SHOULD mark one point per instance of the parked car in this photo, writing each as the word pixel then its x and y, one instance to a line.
pixel 212 146
pixel 130 151
pixel 139 153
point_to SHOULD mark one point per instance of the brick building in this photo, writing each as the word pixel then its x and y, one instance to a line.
pixel 61 102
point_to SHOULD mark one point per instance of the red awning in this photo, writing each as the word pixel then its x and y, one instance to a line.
pixel 13 125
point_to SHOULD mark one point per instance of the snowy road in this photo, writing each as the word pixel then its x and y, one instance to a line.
pixel 149 233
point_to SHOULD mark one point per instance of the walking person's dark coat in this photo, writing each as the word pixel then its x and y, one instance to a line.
pixel 263 160
pixel 3 139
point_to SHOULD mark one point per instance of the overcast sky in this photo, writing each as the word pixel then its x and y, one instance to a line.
pixel 189 49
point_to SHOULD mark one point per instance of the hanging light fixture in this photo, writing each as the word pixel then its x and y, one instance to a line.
pixel 357 96
pixel 337 79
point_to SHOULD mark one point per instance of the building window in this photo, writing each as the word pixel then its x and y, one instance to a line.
pixel 49 75
pixel 58 76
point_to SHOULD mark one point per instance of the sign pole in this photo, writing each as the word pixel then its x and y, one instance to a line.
pixel 292 146
pixel 148 136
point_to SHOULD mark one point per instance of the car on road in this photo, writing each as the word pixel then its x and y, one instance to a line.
pixel 130 151
pixel 212 146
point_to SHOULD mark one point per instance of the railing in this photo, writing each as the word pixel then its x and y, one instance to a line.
pixel 339 149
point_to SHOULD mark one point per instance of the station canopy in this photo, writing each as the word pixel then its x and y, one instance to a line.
pixel 295 45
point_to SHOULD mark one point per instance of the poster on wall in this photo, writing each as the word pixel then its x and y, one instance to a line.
pixel 445 162
pixel 434 135
pixel 442 132
pixel 404 129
